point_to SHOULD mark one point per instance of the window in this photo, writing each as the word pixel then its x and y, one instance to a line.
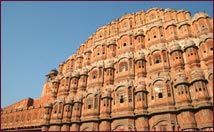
pixel 89 106
pixel 96 102
pixel 121 99
pixel 140 64
pixel 124 44
pixel 152 97
pixel 157 59
pixel 160 95
pixel 104 102
pixel 203 28
pixel 159 91
pixel 123 66
pixel 94 74
pixel 130 94
pixel 168 91
pixel 139 97
pixel 152 17
pixel 89 103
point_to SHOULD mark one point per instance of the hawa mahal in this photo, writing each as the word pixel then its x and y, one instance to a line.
pixel 146 71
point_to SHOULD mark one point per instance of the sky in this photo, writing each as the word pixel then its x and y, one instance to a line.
pixel 37 36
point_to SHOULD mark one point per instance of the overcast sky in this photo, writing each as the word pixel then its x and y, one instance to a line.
pixel 37 36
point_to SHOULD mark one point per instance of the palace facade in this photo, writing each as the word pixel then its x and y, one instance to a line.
pixel 149 70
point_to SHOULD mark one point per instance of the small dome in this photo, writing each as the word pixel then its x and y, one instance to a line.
pixel 109 63
pixel 168 9
pixel 199 15
pixel 180 78
pixel 188 44
pixel 53 72
pixel 197 74
pixel 174 46
pixel 139 55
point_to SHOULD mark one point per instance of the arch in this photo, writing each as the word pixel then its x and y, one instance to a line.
pixel 93 67
pixel 122 58
pixel 120 128
pixel 171 24
pixel 157 80
pixel 199 17
pixel 182 24
pixel 88 94
pixel 123 18
pixel 159 121
pixel 210 74
pixel 124 126
pixel 150 28
pixel 207 39
pixel 123 66
pixel 79 56
pixel 86 129
pixel 123 35
pixel 119 86
pixel 97 45
pixel 204 41
pixel 155 50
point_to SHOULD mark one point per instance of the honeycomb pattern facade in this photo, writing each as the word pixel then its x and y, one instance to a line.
pixel 149 70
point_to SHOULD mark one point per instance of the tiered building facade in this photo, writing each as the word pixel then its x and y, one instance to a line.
pixel 149 70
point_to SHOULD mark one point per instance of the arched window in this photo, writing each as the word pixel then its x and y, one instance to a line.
pixel 159 89
pixel 152 17
pixel 203 26
pixel 160 95
pixel 96 102
pixel 89 103
pixel 130 94
pixel 121 99
pixel 139 96
pixel 121 95
pixel 123 66
pixel 140 64
pixel 157 59
pixel 94 74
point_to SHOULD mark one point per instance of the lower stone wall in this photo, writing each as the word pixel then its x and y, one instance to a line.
pixel 183 120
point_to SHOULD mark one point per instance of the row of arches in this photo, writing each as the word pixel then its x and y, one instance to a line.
pixel 155 32
pixel 125 96
pixel 168 54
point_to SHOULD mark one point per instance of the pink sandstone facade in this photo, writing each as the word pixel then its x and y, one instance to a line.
pixel 149 70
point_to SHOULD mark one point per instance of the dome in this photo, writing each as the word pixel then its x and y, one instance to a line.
pixel 109 63
pixel 180 78
pixel 188 44
pixel 174 46
pixel 139 55
pixel 197 74
pixel 168 9
pixel 199 15
pixel 53 72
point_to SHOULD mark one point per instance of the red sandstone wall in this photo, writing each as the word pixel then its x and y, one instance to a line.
pixel 150 70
